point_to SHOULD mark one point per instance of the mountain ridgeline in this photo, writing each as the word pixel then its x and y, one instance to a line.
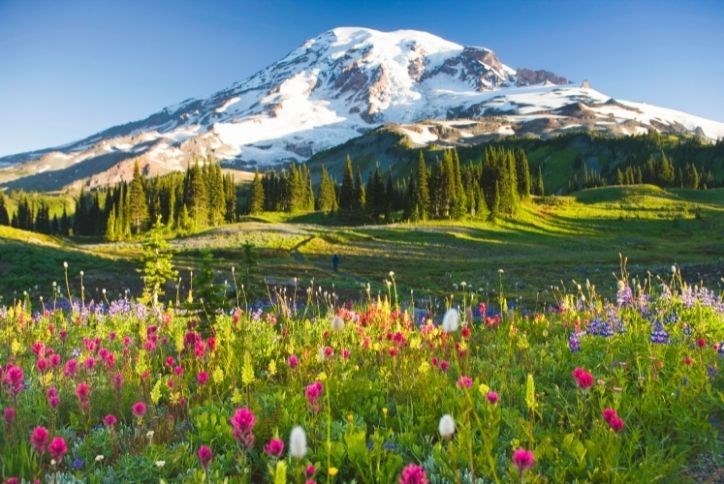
pixel 337 86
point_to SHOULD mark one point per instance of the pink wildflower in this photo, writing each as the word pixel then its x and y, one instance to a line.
pixel 492 397
pixel 205 455
pixel 202 377
pixel 58 448
pixel 523 459
pixel 293 361
pixel 39 438
pixel 139 409
pixel 465 382
pixel 413 474
pixel 275 448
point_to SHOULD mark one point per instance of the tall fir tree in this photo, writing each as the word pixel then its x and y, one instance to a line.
pixel 421 192
pixel 4 214
pixel 523 172
pixel 327 197
pixel 138 207
pixel 256 197
pixel 347 193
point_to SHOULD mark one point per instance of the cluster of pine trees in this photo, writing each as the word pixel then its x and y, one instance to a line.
pixel 659 171
pixel 446 190
pixel 34 215
pixel 200 197
pixel 287 191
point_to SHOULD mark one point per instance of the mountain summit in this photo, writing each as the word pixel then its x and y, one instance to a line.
pixel 337 86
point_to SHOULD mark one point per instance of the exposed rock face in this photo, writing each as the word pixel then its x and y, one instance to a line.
pixel 527 77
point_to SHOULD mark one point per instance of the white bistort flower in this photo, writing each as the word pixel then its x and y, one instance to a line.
pixel 297 443
pixel 446 426
pixel 337 323
pixel 450 321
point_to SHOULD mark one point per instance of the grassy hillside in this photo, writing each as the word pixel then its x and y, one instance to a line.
pixel 31 262
pixel 554 239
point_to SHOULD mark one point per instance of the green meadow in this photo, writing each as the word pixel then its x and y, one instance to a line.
pixel 553 239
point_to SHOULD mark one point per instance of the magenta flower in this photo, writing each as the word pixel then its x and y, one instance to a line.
pixel 583 378
pixel 9 415
pixel 413 474
pixel 82 391
pixel 39 438
pixel 310 470
pixel 109 420
pixel 58 448
pixel 202 377
pixel 614 421
pixel 293 361
pixel 312 393
pixel 53 397
pixel 523 459
pixel 242 423
pixel 41 365
pixel 15 379
pixel 492 397
pixel 616 424
pixel 139 409
pixel 465 382
pixel 275 448
pixel 205 455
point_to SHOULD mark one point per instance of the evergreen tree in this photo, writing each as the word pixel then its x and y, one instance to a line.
pixel 421 192
pixel 360 196
pixel 348 192
pixel 523 172
pixel 327 197
pixel 157 264
pixel 539 188
pixel 196 196
pixel 4 214
pixel 256 199
pixel 138 207
pixel 692 176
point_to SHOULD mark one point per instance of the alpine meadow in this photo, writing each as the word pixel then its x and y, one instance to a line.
pixel 385 257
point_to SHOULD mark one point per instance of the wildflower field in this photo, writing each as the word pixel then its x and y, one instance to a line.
pixel 312 389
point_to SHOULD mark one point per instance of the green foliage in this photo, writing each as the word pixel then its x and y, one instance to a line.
pixel 157 264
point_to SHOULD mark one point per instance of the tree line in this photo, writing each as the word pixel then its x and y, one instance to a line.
pixel 448 189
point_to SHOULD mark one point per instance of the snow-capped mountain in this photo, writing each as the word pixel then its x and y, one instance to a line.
pixel 337 86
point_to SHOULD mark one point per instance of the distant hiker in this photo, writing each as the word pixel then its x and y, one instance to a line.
pixel 335 262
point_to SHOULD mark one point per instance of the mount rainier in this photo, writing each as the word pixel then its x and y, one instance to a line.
pixel 340 85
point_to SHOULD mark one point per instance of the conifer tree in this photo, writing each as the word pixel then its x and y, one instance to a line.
pixel 327 197
pixel 256 199
pixel 4 214
pixel 421 192
pixel 138 207
pixel 523 172
pixel 347 193
pixel 539 188
pixel 157 264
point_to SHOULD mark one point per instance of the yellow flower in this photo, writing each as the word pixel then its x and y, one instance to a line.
pixel 415 343
pixel 156 392
pixel 175 398
pixel 15 347
pixel 384 411
pixel 218 375
pixel 322 376
pixel 236 397
pixel 350 418
pixel 424 367
pixel 332 471
pixel 483 389
pixel 272 369
pixel 247 370
pixel 376 347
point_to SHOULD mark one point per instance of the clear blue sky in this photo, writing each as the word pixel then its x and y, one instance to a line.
pixel 69 68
